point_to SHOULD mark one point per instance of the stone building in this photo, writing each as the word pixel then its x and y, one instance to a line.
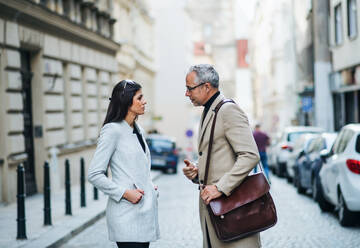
pixel 134 29
pixel 59 60
pixel 344 40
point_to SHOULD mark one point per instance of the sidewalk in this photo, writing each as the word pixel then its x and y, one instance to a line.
pixel 63 226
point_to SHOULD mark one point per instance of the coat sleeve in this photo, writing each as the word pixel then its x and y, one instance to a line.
pixel 96 174
pixel 239 135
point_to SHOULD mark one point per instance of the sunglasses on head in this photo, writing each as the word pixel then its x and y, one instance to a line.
pixel 126 83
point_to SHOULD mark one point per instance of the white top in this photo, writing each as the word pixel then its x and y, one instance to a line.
pixel 119 148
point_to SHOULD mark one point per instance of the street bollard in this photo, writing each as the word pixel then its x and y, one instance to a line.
pixel 21 221
pixel 96 194
pixel 47 195
pixel 82 183
pixel 67 188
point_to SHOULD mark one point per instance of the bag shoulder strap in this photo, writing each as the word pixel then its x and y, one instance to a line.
pixel 217 108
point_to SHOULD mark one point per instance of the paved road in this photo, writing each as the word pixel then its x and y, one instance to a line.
pixel 300 222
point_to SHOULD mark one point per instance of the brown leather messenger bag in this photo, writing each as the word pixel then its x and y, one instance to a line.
pixel 248 210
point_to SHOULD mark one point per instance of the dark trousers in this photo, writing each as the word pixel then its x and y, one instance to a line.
pixel 263 159
pixel 132 245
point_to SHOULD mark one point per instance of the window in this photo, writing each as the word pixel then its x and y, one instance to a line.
pixel 357 147
pixel 338 25
pixel 344 140
pixel 44 2
pixel 67 7
pixel 352 18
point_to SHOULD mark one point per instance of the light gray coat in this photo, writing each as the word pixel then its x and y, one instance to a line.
pixel 119 148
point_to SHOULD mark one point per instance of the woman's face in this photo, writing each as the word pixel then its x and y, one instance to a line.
pixel 138 103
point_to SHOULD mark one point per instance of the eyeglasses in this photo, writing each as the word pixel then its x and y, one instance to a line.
pixel 188 88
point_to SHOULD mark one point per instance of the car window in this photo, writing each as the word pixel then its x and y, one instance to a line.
pixel 337 142
pixel 316 144
pixel 357 146
pixel 162 144
pixel 299 143
pixel 329 141
pixel 293 137
pixel 312 145
pixel 344 141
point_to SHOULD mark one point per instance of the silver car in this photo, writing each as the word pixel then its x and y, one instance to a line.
pixel 300 146
pixel 284 147
pixel 340 176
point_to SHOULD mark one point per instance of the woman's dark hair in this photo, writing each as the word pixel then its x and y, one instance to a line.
pixel 121 100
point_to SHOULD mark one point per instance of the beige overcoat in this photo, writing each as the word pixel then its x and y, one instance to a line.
pixel 234 155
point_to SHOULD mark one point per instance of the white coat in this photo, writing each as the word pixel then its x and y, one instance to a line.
pixel 119 148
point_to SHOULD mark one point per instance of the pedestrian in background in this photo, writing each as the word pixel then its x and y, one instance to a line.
pixel 131 212
pixel 262 141
pixel 234 152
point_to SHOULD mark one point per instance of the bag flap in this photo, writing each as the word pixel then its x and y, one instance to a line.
pixel 253 187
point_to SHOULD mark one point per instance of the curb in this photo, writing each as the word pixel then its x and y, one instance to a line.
pixel 77 230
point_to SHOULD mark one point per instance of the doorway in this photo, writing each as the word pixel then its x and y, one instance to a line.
pixel 29 164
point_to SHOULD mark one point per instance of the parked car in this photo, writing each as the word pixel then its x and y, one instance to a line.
pixel 285 145
pixel 301 145
pixel 309 162
pixel 340 176
pixel 270 150
pixel 164 154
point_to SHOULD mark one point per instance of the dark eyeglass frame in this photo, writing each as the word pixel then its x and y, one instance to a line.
pixel 189 89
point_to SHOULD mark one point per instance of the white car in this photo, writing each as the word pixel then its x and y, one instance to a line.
pixel 284 147
pixel 340 176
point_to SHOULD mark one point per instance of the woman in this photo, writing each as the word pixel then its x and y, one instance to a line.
pixel 131 212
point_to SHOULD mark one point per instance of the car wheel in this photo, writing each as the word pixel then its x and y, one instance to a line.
pixel 280 170
pixel 288 178
pixel 174 170
pixel 324 205
pixel 346 217
pixel 314 192
pixel 300 189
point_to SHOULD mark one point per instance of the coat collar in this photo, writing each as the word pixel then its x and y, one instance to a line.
pixel 208 118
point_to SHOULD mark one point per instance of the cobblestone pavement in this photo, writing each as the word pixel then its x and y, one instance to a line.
pixel 300 222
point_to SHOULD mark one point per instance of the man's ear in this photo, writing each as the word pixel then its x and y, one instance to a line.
pixel 208 86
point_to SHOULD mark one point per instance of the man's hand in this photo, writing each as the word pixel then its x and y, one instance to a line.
pixel 209 193
pixel 190 170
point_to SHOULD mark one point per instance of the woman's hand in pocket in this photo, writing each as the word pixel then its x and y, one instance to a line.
pixel 133 195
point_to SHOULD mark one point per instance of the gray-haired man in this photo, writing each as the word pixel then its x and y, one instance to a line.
pixel 234 151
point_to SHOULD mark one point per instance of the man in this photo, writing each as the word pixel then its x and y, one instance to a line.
pixel 234 152
pixel 262 140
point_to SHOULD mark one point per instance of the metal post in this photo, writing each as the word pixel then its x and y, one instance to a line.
pixel 96 195
pixel 82 183
pixel 67 188
pixel 21 221
pixel 47 195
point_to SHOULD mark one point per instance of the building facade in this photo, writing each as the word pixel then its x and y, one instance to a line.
pixel 134 29
pixel 344 39
pixel 58 63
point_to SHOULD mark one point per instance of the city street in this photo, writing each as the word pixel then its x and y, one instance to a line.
pixel 300 222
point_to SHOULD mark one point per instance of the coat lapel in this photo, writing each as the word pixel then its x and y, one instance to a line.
pixel 208 119
pixel 147 151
